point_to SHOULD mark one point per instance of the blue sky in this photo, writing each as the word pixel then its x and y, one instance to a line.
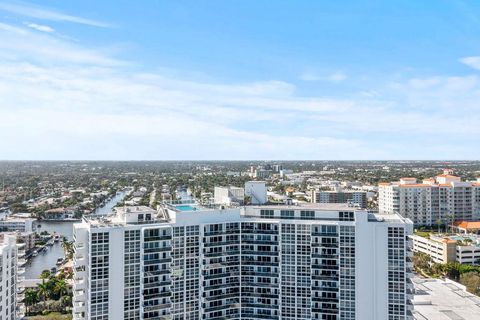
pixel 166 80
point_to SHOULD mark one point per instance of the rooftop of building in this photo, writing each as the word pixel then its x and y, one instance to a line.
pixel 441 180
pixel 436 299
pixel 177 208
pixel 467 225
pixel 309 206
pixel 460 239
pixel 7 238
pixel 17 219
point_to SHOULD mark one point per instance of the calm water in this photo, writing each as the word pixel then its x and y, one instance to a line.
pixel 48 259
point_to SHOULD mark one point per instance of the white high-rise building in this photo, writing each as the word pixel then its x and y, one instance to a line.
pixel 340 196
pixel 436 200
pixel 229 195
pixel 257 191
pixel 314 261
pixel 11 256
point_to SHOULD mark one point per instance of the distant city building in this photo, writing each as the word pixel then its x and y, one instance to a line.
pixel 229 195
pixel 277 167
pixel 340 196
pixel 312 261
pixel 256 191
pixel 58 214
pixel 260 172
pixel 18 224
pixel 436 200
pixel 444 249
pixel 284 172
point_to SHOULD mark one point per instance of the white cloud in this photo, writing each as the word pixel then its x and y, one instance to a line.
pixel 310 76
pixel 334 77
pixel 22 44
pixel 31 11
pixel 40 27
pixel 472 62
pixel 62 100
pixel 337 77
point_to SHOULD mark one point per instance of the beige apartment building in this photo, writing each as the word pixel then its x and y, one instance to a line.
pixel 443 199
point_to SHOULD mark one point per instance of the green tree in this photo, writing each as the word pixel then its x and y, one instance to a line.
pixel 43 292
pixel 438 269
pixel 471 280
pixel 68 248
pixel 422 261
pixel 61 288
pixel 45 274
pixel 31 298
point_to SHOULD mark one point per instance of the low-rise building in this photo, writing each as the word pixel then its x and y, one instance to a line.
pixel 472 227
pixel 437 299
pixel 451 248
pixel 18 224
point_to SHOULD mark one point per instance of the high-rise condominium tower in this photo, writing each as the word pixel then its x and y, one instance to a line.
pixel 312 261
pixel 11 256
pixel 442 199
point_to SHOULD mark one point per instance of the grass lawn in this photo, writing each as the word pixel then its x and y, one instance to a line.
pixel 424 234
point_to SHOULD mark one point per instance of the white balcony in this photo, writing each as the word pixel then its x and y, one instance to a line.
pixel 79 285
pixel 79 258
pixel 78 296
pixel 78 316
pixel 79 307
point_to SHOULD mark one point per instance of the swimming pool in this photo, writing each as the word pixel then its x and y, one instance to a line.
pixel 185 208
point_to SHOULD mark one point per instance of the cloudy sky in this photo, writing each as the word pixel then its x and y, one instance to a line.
pixel 163 80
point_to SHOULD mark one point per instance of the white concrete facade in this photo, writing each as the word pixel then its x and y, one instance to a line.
pixel 18 224
pixel 257 191
pixel 339 196
pixel 444 249
pixel 229 195
pixel 11 257
pixel 257 262
pixel 439 200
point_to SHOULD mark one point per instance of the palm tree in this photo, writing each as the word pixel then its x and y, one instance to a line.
pixel 45 274
pixel 31 297
pixel 68 249
pixel 43 292
pixel 449 222
pixel 61 288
